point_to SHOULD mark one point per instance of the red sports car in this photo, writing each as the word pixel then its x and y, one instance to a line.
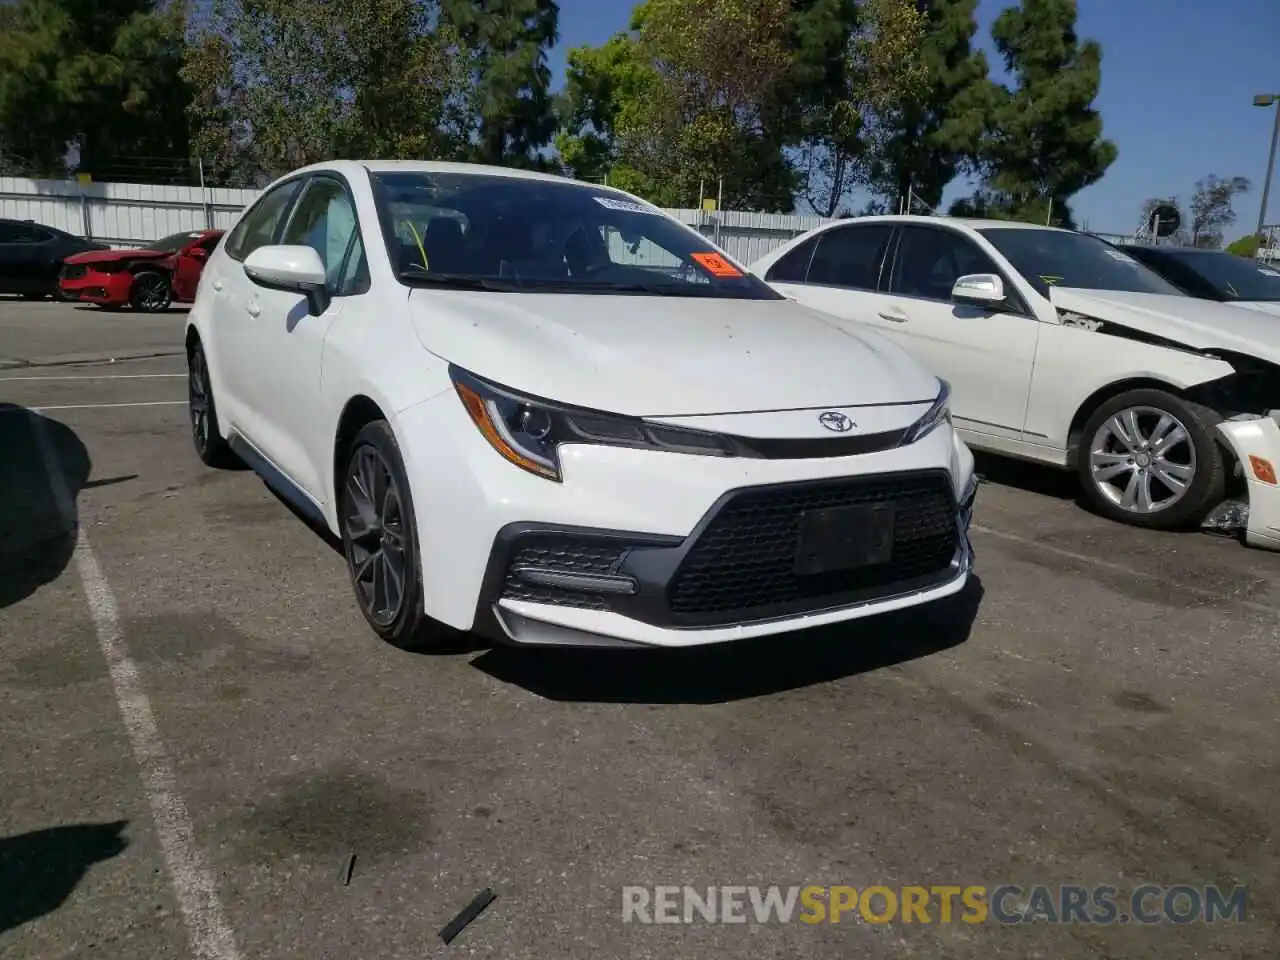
pixel 147 279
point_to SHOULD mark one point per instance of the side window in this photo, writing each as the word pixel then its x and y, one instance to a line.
pixel 851 256
pixel 210 244
pixel 794 267
pixel 355 271
pixel 258 226
pixel 19 233
pixel 931 259
pixel 325 220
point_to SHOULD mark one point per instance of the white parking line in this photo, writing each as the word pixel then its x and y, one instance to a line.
pixel 1254 605
pixel 106 406
pixel 110 376
pixel 210 934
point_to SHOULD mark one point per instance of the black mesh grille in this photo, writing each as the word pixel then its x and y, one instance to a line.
pixel 73 271
pixel 561 554
pixel 744 560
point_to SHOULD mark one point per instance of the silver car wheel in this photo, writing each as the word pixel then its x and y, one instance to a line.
pixel 1142 459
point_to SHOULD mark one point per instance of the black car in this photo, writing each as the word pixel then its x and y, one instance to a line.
pixel 1211 274
pixel 31 256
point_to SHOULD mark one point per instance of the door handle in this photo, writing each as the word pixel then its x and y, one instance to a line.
pixel 893 314
pixel 254 308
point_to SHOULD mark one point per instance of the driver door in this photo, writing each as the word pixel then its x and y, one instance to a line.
pixel 289 341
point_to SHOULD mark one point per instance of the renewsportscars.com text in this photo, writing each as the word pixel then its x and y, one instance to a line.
pixel 1006 904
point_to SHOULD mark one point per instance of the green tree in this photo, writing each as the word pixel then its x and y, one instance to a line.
pixel 1045 142
pixel 848 124
pixel 683 99
pixel 504 46
pixel 97 79
pixel 281 84
pixel 936 132
pixel 605 87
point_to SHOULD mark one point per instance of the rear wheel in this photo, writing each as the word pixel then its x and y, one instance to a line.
pixel 1150 459
pixel 150 292
pixel 203 412
pixel 380 540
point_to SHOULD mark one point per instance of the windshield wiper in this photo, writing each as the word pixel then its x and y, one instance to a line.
pixel 455 281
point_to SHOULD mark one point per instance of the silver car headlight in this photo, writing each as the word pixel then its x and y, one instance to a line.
pixel 934 417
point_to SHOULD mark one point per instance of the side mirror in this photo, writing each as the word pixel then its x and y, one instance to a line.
pixel 292 269
pixel 978 290
pixel 199 253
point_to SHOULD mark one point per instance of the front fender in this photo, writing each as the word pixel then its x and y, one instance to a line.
pixel 1074 364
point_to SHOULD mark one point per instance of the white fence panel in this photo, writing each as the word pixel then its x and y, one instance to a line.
pixel 129 214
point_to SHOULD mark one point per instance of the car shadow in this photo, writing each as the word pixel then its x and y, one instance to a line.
pixel 40 869
pixel 742 669
pixel 1032 477
pixel 37 530
pixel 174 310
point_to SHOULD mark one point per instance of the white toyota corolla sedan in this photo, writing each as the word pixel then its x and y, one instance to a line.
pixel 547 412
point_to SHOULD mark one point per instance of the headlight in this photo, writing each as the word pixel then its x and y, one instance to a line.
pixel 528 431
pixel 936 415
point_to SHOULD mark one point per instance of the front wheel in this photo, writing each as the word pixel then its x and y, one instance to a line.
pixel 1149 459
pixel 150 292
pixel 210 446
pixel 380 540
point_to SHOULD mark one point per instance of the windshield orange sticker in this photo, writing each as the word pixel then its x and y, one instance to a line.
pixel 716 265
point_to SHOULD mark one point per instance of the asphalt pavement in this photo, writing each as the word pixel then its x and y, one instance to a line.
pixel 199 731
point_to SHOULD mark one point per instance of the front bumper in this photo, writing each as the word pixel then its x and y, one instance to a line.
pixel 95 286
pixel 476 513
pixel 731 578
pixel 1256 444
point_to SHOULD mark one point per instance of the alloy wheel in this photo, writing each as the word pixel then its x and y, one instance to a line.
pixel 373 522
pixel 152 291
pixel 198 399
pixel 1143 460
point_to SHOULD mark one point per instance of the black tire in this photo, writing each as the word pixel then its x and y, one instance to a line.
pixel 202 413
pixel 373 479
pixel 1198 455
pixel 151 292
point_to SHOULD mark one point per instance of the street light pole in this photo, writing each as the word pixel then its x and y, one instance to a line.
pixel 1267 100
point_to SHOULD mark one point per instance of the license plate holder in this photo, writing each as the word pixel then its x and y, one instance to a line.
pixel 844 538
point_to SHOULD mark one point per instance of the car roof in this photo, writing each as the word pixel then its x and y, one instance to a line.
pixel 355 167
pixel 973 223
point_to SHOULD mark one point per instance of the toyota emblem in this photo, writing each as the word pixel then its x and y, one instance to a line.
pixel 836 422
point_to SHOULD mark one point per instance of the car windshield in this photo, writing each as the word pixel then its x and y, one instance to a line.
pixel 512 234
pixel 172 243
pixel 1234 278
pixel 1050 258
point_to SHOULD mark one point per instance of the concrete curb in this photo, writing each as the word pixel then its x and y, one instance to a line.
pixel 76 359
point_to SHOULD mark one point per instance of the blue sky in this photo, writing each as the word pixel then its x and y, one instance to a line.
pixel 1178 79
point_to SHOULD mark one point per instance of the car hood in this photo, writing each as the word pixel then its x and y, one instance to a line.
pixel 1199 324
pixel 666 356
pixel 1261 306
pixel 114 256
